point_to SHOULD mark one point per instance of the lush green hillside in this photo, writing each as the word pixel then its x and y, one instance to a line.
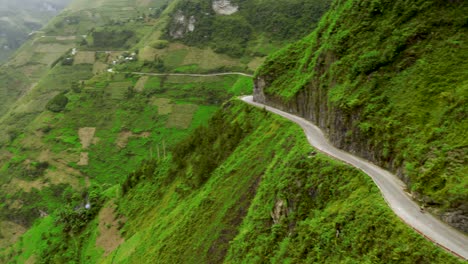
pixel 102 165
pixel 76 118
pixel 247 188
pixel 387 80
pixel 141 26
pixel 68 30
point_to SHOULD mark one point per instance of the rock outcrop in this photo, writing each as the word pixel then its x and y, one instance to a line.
pixel 224 7
pixel 181 25
pixel 279 212
pixel 457 219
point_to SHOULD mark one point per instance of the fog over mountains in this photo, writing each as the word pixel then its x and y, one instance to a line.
pixel 19 18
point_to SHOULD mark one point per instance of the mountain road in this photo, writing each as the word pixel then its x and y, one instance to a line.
pixel 193 74
pixel 391 187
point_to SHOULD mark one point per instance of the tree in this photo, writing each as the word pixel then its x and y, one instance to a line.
pixel 58 103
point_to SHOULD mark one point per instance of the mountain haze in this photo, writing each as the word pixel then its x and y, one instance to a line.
pixel 20 19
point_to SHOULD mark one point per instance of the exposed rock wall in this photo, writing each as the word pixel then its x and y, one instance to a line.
pixel 224 7
pixel 181 25
pixel 312 103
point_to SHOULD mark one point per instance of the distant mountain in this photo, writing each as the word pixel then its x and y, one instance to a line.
pixel 18 19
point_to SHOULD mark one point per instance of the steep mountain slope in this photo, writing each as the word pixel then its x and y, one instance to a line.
pixel 387 80
pixel 81 110
pixel 18 22
pixel 252 190
pixel 248 188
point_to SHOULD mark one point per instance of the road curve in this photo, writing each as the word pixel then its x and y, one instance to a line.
pixel 193 74
pixel 390 186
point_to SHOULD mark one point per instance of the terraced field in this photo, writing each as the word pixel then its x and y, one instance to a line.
pixel 84 57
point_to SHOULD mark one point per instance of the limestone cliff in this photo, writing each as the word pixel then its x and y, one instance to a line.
pixel 181 25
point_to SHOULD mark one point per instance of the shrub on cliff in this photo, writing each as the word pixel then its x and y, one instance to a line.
pixel 58 103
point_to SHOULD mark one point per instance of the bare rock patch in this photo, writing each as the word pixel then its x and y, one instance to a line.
pixel 224 7
pixel 181 25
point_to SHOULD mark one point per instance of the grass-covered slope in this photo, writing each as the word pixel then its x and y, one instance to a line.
pixel 74 117
pixel 66 124
pixel 388 81
pixel 248 188
pixel 104 130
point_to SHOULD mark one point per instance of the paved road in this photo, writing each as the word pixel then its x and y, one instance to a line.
pixel 194 74
pixel 390 186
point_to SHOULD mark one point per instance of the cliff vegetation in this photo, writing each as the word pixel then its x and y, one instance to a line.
pixel 387 80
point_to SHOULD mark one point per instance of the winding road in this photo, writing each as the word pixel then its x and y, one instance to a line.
pixel 392 189
pixel 193 74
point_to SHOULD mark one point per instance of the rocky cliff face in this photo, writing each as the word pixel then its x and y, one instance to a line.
pixel 181 25
pixel 370 93
pixel 224 7
pixel 184 22
pixel 312 103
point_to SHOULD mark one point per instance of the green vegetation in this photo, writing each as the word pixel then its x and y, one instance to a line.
pixel 13 83
pixel 160 44
pixel 75 216
pixel 279 20
pixel 132 168
pixel 393 73
pixel 269 198
pixel 112 39
pixel 284 20
pixel 58 103
pixel 67 124
pixel 129 127
pixel 44 241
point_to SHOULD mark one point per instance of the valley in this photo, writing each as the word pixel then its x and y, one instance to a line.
pixel 20 20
